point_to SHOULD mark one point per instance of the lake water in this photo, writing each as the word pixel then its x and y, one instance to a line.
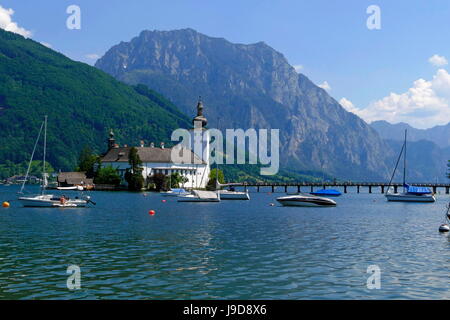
pixel 227 250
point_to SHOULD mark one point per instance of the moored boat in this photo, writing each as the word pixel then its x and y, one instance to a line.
pixel 327 192
pixel 234 195
pixel 43 199
pixel 304 200
pixel 175 192
pixel 48 200
pixel 410 193
pixel 200 196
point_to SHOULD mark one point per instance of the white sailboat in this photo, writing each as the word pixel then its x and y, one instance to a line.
pixel 410 193
pixel 43 199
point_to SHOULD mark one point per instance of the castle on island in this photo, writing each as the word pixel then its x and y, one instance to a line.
pixel 158 159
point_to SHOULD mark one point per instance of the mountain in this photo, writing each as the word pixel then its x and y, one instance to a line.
pixel 253 86
pixel 426 162
pixel 440 135
pixel 82 104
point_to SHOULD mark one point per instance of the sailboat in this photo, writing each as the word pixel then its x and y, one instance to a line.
pixel 410 193
pixel 43 199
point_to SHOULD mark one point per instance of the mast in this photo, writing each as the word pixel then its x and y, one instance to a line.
pixel 404 162
pixel 44 175
pixel 31 159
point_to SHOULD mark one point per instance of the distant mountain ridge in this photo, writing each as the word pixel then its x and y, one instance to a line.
pixel 253 86
pixel 82 104
pixel 440 135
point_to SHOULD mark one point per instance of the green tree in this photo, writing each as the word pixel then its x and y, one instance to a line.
pixel 213 178
pixel 87 162
pixel 134 160
pixel 177 180
pixel 36 168
pixel 133 176
pixel 160 181
pixel 107 175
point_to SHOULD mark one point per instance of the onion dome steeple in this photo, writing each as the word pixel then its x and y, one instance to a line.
pixel 111 140
pixel 200 118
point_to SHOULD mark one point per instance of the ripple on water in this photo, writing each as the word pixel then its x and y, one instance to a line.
pixel 230 250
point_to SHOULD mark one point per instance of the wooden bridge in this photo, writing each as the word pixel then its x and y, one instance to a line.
pixel 382 186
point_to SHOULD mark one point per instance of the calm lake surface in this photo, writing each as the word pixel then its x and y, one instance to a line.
pixel 227 250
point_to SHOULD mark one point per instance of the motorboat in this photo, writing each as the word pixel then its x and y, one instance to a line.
pixel 306 200
pixel 327 193
pixel 43 199
pixel 200 196
pixel 410 193
pixel 232 194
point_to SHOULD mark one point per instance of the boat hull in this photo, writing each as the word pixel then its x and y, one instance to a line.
pixel 306 201
pixel 200 196
pixel 195 199
pixel 234 195
pixel 50 202
pixel 404 197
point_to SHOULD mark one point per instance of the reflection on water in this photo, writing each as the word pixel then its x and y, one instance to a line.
pixel 227 250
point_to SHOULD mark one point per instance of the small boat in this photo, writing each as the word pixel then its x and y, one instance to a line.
pixel 327 192
pixel 200 196
pixel 410 193
pixel 175 192
pixel 80 188
pixel 48 200
pixel 306 200
pixel 43 199
pixel 232 194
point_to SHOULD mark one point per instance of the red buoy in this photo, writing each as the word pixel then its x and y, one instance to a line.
pixel 163 200
pixel 151 212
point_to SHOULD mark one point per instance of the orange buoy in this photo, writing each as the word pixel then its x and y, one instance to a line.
pixel 151 212
pixel 5 204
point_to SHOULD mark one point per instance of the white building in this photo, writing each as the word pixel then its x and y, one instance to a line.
pixel 158 159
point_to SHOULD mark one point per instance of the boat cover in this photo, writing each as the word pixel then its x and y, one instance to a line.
pixel 417 190
pixel 327 192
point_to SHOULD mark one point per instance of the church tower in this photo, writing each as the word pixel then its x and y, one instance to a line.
pixel 200 138
pixel 111 140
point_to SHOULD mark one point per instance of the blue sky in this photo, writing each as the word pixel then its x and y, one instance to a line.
pixel 378 72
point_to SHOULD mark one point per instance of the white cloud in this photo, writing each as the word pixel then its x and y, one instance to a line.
pixel 298 68
pixel 424 105
pixel 438 61
pixel 93 56
pixel 348 105
pixel 7 24
pixel 324 85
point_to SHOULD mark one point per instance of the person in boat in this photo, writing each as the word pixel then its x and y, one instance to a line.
pixel 63 199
